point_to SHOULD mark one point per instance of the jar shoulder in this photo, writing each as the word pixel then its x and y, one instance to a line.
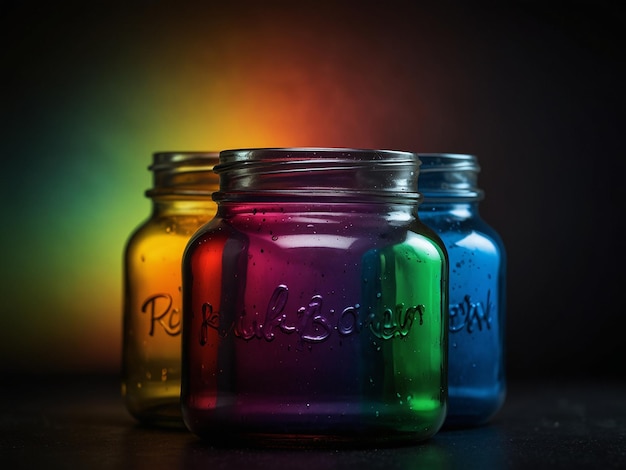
pixel 452 229
pixel 156 231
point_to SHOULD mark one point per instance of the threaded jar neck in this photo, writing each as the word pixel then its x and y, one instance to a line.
pixel 188 174
pixel 337 174
pixel 449 177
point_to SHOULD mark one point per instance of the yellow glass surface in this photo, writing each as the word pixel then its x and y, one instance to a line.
pixel 152 309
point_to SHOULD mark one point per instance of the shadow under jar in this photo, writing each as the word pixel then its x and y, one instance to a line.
pixel 314 303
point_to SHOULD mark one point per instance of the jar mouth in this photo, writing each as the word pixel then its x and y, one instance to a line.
pixel 312 155
pixel 297 172
pixel 447 177
pixel 184 173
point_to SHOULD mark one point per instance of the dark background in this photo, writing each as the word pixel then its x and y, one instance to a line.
pixel 534 89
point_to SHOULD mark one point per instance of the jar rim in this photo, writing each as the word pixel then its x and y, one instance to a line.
pixel 447 177
pixel 314 149
pixel 431 162
pixel 164 160
pixel 183 173
pixel 313 154
pixel 335 172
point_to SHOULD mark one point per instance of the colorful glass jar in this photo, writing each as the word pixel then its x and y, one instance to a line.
pixel 181 202
pixel 476 369
pixel 314 303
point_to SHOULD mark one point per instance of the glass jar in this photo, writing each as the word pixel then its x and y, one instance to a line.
pixel 181 202
pixel 476 374
pixel 329 324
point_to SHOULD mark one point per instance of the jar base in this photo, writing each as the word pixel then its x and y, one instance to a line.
pixel 312 426
pixel 473 407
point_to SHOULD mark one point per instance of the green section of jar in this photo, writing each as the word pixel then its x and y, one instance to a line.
pixel 405 288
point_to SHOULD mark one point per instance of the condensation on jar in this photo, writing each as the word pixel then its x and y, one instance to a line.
pixel 183 183
pixel 329 324
pixel 476 369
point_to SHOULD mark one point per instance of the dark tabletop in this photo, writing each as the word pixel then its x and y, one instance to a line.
pixel 80 422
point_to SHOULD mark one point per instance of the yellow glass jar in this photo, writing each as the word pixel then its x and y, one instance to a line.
pixel 183 183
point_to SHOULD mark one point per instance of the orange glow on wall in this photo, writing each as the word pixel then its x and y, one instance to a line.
pixel 118 89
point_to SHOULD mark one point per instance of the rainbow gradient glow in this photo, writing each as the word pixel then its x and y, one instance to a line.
pixel 118 88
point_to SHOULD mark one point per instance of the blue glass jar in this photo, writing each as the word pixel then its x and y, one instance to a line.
pixel 476 369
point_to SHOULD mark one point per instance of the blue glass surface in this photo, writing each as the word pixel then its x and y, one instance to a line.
pixel 476 372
